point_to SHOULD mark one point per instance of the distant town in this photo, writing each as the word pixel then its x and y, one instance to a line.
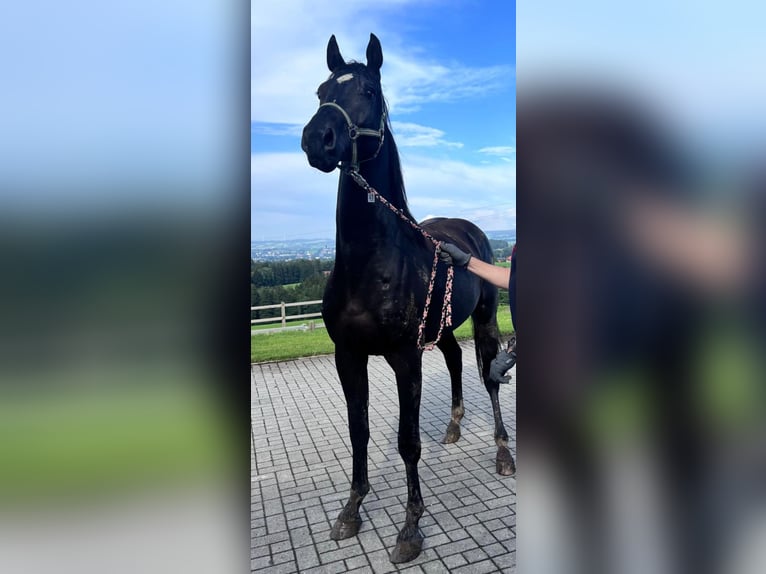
pixel 292 249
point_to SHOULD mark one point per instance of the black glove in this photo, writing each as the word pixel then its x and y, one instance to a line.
pixel 500 365
pixel 452 255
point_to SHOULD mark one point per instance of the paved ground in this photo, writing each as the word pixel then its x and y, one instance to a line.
pixel 301 463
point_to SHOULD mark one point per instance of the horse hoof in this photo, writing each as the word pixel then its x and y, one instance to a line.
pixel 407 549
pixel 343 529
pixel 453 433
pixel 505 464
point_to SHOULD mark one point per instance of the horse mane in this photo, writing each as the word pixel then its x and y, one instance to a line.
pixel 399 195
pixel 395 168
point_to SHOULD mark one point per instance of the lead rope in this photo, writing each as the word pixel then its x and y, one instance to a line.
pixel 446 314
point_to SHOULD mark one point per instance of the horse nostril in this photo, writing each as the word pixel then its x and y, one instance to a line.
pixel 329 139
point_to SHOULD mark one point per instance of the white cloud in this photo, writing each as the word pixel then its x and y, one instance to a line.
pixel 500 150
pixel 288 46
pixel 289 198
pixel 410 83
pixel 415 135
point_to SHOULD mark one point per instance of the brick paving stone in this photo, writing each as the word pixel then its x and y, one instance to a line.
pixel 475 555
pixel 453 561
pixel 506 562
pixel 437 540
pixel 503 533
pixel 380 563
pixel 370 541
pixel 340 554
pixel 282 557
pixel 326 546
pixel 335 568
pixel 466 521
pixel 416 569
pixel 435 567
pixel 306 557
pixel 483 567
pixel 459 533
pixel 357 562
pixel 480 534
pixel 301 467
pixel 280 546
pixel 257 533
pixel 459 546
pixel 300 537
pixel 260 563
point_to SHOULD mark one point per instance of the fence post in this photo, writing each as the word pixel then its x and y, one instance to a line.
pixel 284 316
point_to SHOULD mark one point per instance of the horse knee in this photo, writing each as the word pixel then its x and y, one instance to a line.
pixel 409 450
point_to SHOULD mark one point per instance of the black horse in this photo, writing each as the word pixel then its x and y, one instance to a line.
pixel 377 291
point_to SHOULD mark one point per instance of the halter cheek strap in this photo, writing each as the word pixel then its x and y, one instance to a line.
pixel 355 131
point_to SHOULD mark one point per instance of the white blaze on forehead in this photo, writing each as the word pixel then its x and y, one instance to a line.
pixel 344 78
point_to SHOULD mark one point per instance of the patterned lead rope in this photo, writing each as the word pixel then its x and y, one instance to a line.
pixel 446 314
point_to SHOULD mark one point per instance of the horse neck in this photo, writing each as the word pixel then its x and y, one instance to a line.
pixel 362 224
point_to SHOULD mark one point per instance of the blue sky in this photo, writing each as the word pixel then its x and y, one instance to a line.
pixel 449 78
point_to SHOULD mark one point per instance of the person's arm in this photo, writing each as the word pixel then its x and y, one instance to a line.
pixel 498 276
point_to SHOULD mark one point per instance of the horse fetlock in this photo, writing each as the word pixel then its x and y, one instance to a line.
pixel 358 492
pixel 458 412
pixel 501 436
pixel 414 512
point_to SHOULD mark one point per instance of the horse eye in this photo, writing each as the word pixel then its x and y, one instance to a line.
pixel 369 92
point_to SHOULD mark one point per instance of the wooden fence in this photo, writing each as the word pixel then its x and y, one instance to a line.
pixel 283 315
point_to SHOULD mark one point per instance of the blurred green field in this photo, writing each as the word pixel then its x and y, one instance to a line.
pixel 295 344
pixel 81 441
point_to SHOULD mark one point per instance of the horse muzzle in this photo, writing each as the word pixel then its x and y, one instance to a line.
pixel 321 145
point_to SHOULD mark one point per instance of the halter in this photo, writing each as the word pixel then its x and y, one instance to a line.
pixel 355 131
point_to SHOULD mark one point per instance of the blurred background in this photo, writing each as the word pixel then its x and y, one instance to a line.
pixel 124 170
pixel 640 197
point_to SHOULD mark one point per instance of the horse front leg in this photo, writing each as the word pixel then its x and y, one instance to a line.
pixel 352 370
pixel 408 368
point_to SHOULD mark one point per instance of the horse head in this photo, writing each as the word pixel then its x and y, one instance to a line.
pixel 349 126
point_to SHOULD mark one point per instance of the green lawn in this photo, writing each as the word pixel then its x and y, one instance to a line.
pixel 73 441
pixel 294 344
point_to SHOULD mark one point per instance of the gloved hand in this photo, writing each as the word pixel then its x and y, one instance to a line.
pixel 452 255
pixel 500 365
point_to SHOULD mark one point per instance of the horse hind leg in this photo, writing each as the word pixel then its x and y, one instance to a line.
pixel 453 356
pixel 486 337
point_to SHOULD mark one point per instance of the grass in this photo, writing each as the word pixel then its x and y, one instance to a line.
pixel 82 442
pixel 295 344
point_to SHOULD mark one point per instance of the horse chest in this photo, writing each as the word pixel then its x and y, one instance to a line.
pixel 371 318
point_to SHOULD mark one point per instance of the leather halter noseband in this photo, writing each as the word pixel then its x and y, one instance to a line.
pixel 355 131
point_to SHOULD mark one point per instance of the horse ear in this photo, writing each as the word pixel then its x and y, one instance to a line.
pixel 334 59
pixel 374 54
